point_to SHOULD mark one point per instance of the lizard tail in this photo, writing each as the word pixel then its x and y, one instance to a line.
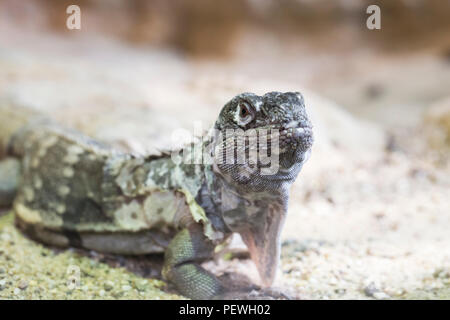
pixel 13 119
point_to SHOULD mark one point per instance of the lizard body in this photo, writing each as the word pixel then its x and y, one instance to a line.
pixel 75 191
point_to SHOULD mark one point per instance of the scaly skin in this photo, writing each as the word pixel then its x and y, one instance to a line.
pixel 74 191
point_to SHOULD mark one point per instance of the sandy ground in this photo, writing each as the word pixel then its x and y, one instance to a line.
pixel 370 213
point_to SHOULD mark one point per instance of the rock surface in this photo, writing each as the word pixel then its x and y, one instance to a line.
pixel 437 124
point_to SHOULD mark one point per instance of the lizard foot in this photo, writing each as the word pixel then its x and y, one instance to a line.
pixel 239 287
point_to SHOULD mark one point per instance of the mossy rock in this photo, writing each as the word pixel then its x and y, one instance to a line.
pixel 29 270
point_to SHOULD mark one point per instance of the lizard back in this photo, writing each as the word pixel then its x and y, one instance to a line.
pixel 77 191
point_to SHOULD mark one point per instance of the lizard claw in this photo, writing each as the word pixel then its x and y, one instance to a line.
pixel 239 287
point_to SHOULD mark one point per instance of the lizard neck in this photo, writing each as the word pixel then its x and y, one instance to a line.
pixel 235 195
pixel 220 198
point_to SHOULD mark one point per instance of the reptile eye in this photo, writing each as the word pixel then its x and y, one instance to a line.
pixel 244 111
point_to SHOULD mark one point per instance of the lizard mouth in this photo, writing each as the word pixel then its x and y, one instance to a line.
pixel 296 138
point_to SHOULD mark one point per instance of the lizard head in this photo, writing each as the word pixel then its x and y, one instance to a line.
pixel 264 140
pixel 276 128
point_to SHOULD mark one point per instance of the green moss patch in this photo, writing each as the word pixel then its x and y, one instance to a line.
pixel 29 270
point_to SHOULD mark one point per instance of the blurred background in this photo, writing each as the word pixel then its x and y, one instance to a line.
pixel 370 213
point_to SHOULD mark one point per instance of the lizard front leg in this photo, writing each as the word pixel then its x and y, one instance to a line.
pixel 187 250
pixel 182 264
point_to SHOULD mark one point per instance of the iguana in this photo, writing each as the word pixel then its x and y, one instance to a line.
pixel 70 190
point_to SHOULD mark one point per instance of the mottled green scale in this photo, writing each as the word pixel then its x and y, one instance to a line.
pixel 161 192
pixel 61 181
pixel 70 183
